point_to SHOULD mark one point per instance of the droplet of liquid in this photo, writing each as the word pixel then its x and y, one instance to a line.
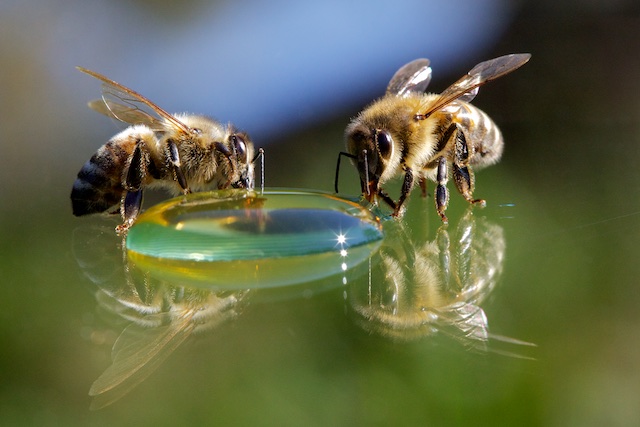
pixel 238 239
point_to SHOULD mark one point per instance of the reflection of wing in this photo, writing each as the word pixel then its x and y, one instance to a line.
pixel 97 252
pixel 412 77
pixel 466 323
pixel 129 106
pixel 137 353
pixel 466 88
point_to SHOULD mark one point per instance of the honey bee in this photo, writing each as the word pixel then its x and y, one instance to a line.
pixel 180 153
pixel 425 135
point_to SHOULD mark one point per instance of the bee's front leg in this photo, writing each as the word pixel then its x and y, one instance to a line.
pixel 407 186
pixel 462 173
pixel 387 199
pixel 174 159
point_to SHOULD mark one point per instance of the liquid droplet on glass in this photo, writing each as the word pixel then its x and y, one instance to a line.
pixel 237 239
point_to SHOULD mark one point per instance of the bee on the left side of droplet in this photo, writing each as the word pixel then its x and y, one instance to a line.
pixel 426 136
pixel 180 153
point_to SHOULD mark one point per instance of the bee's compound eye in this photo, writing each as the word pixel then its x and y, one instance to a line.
pixel 384 143
pixel 239 146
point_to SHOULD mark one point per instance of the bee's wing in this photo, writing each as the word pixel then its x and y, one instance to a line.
pixel 127 113
pixel 129 106
pixel 412 77
pixel 466 88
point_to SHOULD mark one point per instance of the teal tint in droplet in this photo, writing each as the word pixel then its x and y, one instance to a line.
pixel 235 238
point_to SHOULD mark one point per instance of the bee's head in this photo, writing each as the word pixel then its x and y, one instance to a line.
pixel 372 150
pixel 241 156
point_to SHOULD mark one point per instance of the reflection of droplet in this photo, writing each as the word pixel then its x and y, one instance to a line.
pixel 239 238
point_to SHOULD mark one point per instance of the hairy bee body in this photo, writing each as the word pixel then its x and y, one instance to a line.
pixel 427 136
pixel 414 140
pixel 419 142
pixel 179 153
pixel 101 181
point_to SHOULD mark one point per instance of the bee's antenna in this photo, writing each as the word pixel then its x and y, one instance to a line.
pixel 366 169
pixel 261 156
pixel 342 153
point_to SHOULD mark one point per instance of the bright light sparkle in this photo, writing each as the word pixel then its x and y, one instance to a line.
pixel 196 256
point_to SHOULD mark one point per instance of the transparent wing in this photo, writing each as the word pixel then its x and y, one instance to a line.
pixel 466 88
pixel 412 77
pixel 127 113
pixel 137 353
pixel 129 106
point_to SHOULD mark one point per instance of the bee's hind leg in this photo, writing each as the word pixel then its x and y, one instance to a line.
pixel 462 173
pixel 131 201
pixel 131 204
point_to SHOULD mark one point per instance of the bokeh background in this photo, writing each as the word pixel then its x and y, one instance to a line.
pixel 293 74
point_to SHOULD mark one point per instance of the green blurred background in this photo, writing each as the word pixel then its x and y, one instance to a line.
pixel 564 197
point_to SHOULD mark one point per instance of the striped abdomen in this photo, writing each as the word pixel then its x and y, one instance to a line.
pixel 99 183
pixel 482 134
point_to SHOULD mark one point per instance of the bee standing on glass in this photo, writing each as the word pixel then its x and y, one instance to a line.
pixel 427 136
pixel 180 153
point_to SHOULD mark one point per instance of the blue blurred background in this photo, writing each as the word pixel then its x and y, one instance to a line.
pixel 271 68
pixel 299 62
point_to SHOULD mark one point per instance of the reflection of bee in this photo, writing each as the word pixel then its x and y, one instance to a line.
pixel 181 152
pixel 423 135
pixel 161 314
pixel 416 288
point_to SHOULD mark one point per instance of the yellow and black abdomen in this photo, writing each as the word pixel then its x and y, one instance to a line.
pixel 482 134
pixel 98 186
